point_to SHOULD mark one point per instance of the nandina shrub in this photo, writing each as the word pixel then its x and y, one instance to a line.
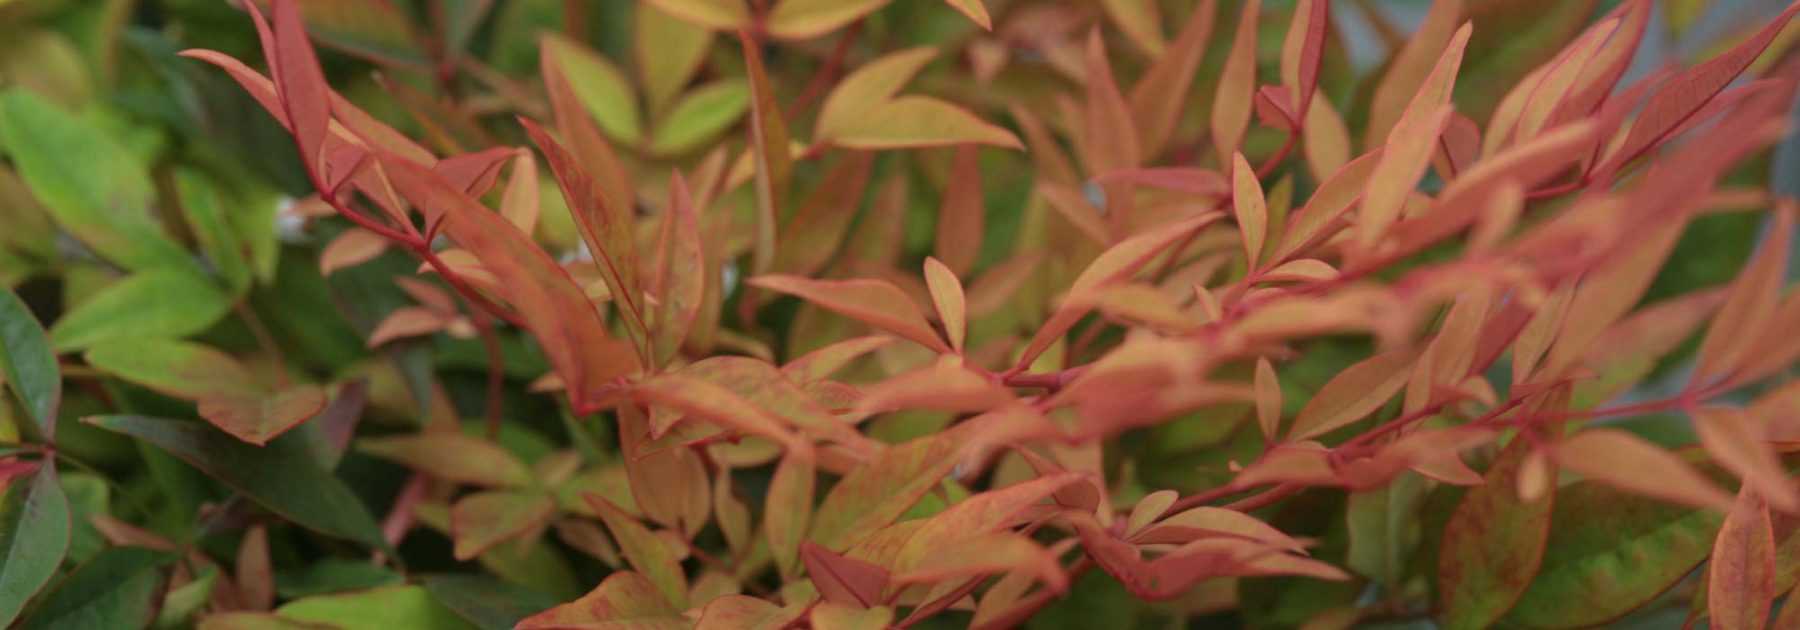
pixel 819 317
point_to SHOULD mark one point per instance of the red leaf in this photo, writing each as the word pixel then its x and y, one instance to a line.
pixel 874 302
pixel 259 417
pixel 843 580
pixel 1741 578
pixel 305 96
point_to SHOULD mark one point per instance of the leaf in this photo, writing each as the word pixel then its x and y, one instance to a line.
pixel 202 204
pixel 841 580
pixel 731 612
pixel 874 302
pixel 1381 523
pixel 984 555
pixel 34 532
pixel 282 477
pixel 841 617
pixel 947 297
pixel 1731 340
pixel 1738 442
pixel 1610 553
pixel 1333 198
pixel 1355 392
pixel 1493 544
pixel 646 552
pixel 865 89
pixel 257 417
pixel 683 284
pixel 769 145
pixel 549 302
pixel 962 215
pixel 876 493
pixel 1410 144
pixel 1408 69
pixel 1108 117
pixel 381 608
pixel 824 362
pixel 1607 293
pixel 1140 22
pixel 1231 101
pixel 1249 207
pixel 1158 97
pixel 669 51
pixel 162 303
pixel 484 519
pixel 377 30
pixel 698 398
pixel 1741 576
pixel 1268 400
pixel 352 247
pixel 1301 52
pixel 118 588
pixel 913 121
pixel 815 232
pixel 253 570
pixel 713 14
pixel 30 367
pixel 806 19
pixel 600 86
pixel 977 516
pixel 975 10
pixel 96 190
pixel 700 117
pixel 1681 96
pixel 489 603
pixel 1624 461
pixel 1116 264
pixel 452 457
pixel 788 511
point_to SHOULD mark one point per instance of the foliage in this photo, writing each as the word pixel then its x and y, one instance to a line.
pixel 866 314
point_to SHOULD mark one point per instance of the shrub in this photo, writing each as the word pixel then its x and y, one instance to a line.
pixel 799 322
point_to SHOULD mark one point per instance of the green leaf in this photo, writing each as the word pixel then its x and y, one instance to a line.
pixel 31 369
pixel 333 575
pixel 89 495
pixel 204 206
pixel 95 189
pixel 182 369
pixel 1384 528
pixel 282 477
pixel 700 116
pixel 484 519
pixel 385 608
pixel 600 87
pixel 488 603
pixel 1609 553
pixel 158 303
pixel 34 534
pixel 183 601
pixel 452 457
pixel 116 589
pixel 1493 545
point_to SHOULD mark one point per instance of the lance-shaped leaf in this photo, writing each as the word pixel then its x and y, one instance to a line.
pixel 1333 198
pixel 1114 140
pixel 95 189
pixel 842 580
pixel 788 510
pixel 1739 443
pixel 645 550
pixel 1237 82
pixel 681 265
pixel 258 416
pixel 1355 392
pixel 30 367
pixel 282 477
pixel 945 385
pixel 962 215
pixel 1251 210
pixel 878 492
pixel 1610 553
pixel 1203 522
pixel 305 96
pixel 778 393
pixel 976 10
pixel 698 398
pixel 1141 22
pixel 1409 146
pixel 484 519
pixel 600 86
pixel 377 30
pixel 977 516
pixel 1732 339
pixel 730 612
pixel 826 361
pixel 453 457
pixel 1118 263
pixel 1524 165
pixel 1268 400
pixel 713 14
pixel 1676 100
pixel 623 599
pixel 816 231
pixel 1608 292
pixel 556 311
pixel 769 145
pixel 669 50
pixel 34 536
pixel 947 297
pixel 863 111
pixel 1492 544
pixel 666 478
pixel 842 617
pixel 1301 53
pixel 1408 70
pixel 700 117
pixel 158 303
pixel 868 87
pixel 255 576
pixel 874 302
pixel 1624 461
pixel 352 247
pixel 988 554
pixel 1160 94
pixel 1602 72
pixel 804 19
pixel 1741 578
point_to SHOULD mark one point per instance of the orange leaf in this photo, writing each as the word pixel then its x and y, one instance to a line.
pixel 769 142
pixel 1251 209
pixel 975 10
pixel 1740 583
pixel 978 515
pixel 1627 462
pixel 1608 292
pixel 452 457
pixel 645 550
pixel 1355 392
pixel 352 247
pixel 1408 69
pixel 874 302
pixel 874 494
pixel 1161 93
pixel 988 554
pixel 961 216
pixel 1301 51
pixel 1231 102
pixel 1739 443
pixel 257 418
pixel 1403 162
pixel 1268 400
pixel 623 597
pixel 668 481
pixel 1334 197
pixel 1732 340
pixel 825 361
pixel 698 398
pixel 520 203
pixel 409 321
pixel 805 19
pixel 1325 140
pixel 788 511
pixel 945 385
pixel 1113 139
pixel 816 230
pixel 947 296
pixel 681 266
pixel 484 519
pixel 844 580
